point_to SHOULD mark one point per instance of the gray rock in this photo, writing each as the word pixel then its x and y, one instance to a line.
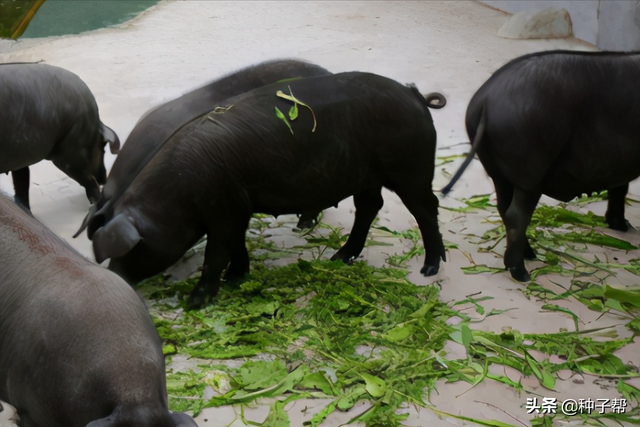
pixel 550 23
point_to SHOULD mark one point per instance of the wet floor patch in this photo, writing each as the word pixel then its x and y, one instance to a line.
pixel 63 17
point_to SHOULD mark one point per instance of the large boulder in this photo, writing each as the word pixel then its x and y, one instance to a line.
pixel 550 23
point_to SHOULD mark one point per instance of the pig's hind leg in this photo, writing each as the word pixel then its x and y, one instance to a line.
pixel 516 221
pixel 239 261
pixel 504 194
pixel 615 208
pixel 423 205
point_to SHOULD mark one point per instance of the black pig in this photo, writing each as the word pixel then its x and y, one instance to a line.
pixel 558 123
pixel 49 113
pixel 361 132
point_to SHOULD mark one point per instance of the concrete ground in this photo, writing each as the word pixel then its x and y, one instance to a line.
pixel 445 46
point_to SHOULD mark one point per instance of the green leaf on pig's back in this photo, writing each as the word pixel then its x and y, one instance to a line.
pixel 293 112
pixel 280 115
pixel 292 98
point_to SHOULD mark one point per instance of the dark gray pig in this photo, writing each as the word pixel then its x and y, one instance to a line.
pixel 49 113
pixel 77 345
pixel 155 128
pixel 365 132
pixel 558 123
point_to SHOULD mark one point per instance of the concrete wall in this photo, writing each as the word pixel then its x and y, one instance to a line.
pixel 619 25
pixel 608 24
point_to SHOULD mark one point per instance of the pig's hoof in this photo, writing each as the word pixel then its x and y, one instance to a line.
pixel 306 224
pixel 234 277
pixel 529 253
pixel 619 224
pixel 520 274
pixel 346 258
pixel 349 261
pixel 196 302
pixel 429 270
pixel 200 298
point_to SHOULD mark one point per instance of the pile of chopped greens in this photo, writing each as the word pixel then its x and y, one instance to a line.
pixel 324 330
pixel 335 331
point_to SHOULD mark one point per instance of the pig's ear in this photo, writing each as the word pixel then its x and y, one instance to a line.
pixel 110 136
pixel 115 239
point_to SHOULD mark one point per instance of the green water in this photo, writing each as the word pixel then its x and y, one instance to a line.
pixel 61 17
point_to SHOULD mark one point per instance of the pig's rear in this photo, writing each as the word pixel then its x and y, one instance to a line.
pixel 77 343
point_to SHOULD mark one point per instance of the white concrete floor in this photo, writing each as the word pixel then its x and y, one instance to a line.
pixel 444 46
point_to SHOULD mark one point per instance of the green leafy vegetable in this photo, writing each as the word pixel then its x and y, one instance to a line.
pixel 281 116
pixel 325 330
pixel 296 101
